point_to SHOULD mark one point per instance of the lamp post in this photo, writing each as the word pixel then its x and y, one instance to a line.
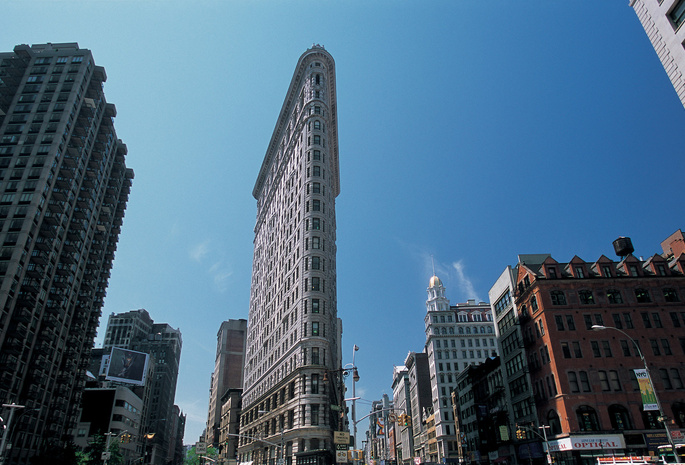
pixel 662 416
pixel 6 433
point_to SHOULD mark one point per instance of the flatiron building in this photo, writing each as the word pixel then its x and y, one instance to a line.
pixel 292 380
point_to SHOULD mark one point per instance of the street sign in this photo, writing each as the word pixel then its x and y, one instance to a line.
pixel 341 437
pixel 105 456
pixel 201 448
pixel 340 456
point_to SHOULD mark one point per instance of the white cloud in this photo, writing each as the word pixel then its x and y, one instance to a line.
pixel 198 252
pixel 220 275
pixel 464 282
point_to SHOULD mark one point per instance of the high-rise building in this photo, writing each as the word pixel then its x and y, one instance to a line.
pixel 293 340
pixel 63 193
pixel 420 401
pixel 135 330
pixel 228 373
pixel 662 21
pixel 457 336
pixel 402 401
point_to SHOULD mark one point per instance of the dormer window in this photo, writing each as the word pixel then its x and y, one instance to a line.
pixel 552 272
pixel 580 273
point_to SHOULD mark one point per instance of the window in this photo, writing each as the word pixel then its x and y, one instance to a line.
pixel 657 320
pixel 675 319
pixel 645 320
pixel 595 348
pixel 552 272
pixel 316 283
pixel 604 380
pixel 617 320
pixel 316 170
pixel 628 321
pixel 566 350
pixel 315 414
pixel 576 349
pixel 559 320
pixel 606 271
pixel 315 382
pixel 677 14
pixel 570 323
pixel 620 419
pixel 316 188
pixel 315 328
pixel 666 346
pixel 586 297
pixel 642 295
pixel 588 321
pixel 670 295
pixel 558 297
pixel 315 305
pixel 573 381
pixel 580 273
pixel 587 418
pixel 606 348
pixel 316 242
pixel 655 347
pixel 316 205
pixel 585 381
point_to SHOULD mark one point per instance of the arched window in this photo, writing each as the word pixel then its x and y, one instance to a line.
pixel 451 330
pixel 482 329
pixel 620 418
pixel 489 329
pixel 553 422
pixel 443 331
pixel 468 330
pixel 587 418
pixel 461 330
pixel 650 418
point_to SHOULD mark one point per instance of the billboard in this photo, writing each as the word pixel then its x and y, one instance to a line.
pixel 127 366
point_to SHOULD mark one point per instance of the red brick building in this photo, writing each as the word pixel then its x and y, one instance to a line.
pixel 583 380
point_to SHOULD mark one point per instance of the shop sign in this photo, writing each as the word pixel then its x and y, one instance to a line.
pixel 600 441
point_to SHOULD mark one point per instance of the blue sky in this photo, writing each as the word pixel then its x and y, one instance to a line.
pixel 470 131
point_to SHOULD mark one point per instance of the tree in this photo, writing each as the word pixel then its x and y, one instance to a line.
pixel 192 458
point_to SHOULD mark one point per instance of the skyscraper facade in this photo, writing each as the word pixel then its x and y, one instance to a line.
pixel 293 340
pixel 63 193
pixel 663 22
pixel 457 336
pixel 135 330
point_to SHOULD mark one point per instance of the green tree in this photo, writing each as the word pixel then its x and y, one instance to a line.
pixel 192 458
pixel 97 446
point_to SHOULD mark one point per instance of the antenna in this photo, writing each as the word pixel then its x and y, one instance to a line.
pixel 433 263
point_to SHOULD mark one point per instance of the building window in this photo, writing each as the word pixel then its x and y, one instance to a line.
pixel 315 328
pixel 677 14
pixel 580 273
pixel 620 419
pixel 559 320
pixel 645 320
pixel 642 295
pixel 558 297
pixel 614 296
pixel 595 348
pixel 587 418
pixel 315 414
pixel 586 297
pixel 670 295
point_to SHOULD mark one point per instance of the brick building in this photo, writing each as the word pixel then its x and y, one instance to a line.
pixel 583 381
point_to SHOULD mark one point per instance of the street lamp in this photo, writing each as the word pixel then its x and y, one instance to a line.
pixel 662 416
pixel 6 433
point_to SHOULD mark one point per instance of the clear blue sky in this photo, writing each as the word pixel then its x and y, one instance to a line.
pixel 471 131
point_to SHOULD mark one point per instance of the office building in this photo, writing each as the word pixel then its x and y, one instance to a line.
pixel 662 21
pixel 136 331
pixel 63 193
pixel 457 336
pixel 228 374
pixel 401 393
pixel 585 326
pixel 294 334
pixel 420 403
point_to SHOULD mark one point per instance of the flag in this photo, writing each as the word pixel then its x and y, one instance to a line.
pixel 647 390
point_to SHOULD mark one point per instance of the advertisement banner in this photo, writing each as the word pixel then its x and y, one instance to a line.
pixel 127 366
pixel 646 389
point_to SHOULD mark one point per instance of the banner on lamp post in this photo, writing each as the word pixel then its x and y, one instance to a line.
pixel 646 389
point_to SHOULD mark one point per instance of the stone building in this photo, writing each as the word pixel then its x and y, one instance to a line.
pixel 294 334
